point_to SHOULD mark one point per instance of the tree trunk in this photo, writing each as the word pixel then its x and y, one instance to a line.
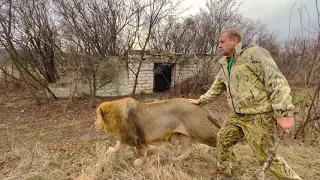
pixel 94 91
pixel 137 74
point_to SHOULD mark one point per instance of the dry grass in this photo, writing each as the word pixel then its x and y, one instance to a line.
pixel 160 165
pixel 40 164
pixel 58 141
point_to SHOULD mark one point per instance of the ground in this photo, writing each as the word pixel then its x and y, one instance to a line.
pixel 58 140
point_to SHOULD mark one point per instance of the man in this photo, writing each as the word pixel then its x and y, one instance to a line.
pixel 258 95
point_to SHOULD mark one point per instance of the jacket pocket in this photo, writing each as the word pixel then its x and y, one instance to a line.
pixel 259 93
pixel 255 95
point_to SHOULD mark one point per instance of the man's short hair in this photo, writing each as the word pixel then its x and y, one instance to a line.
pixel 233 33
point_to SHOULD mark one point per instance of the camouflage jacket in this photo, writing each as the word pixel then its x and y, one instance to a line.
pixel 254 84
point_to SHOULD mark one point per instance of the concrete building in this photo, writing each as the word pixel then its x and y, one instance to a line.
pixel 159 72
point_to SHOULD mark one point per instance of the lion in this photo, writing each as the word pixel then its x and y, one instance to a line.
pixel 141 124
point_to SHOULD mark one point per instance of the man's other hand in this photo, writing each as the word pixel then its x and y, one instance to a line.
pixel 286 123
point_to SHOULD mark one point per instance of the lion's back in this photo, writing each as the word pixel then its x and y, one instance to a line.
pixel 194 118
pixel 178 106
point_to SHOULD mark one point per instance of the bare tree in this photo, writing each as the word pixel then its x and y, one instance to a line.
pixel 8 24
pixel 217 16
pixel 198 34
pixel 93 26
pixel 175 36
pixel 307 45
pixel 312 119
pixel 149 14
pixel 38 37
pixel 31 43
pixel 91 30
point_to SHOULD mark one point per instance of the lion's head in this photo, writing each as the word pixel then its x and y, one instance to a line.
pixel 118 118
pixel 111 116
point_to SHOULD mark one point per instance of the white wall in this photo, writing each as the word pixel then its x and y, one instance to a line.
pixel 123 81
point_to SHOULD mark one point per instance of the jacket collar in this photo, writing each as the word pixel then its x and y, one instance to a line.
pixel 239 48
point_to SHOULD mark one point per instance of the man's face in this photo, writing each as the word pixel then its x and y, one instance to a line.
pixel 227 44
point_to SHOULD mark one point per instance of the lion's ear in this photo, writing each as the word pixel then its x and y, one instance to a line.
pixel 100 113
pixel 99 122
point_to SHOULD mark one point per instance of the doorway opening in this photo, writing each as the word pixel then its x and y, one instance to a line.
pixel 162 76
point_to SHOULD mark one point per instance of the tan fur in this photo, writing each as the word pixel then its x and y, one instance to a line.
pixel 114 122
pixel 140 124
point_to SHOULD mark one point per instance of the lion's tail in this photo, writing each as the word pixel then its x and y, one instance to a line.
pixel 215 121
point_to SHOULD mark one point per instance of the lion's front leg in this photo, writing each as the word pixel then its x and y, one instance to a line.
pixel 114 149
pixel 143 152
pixel 186 143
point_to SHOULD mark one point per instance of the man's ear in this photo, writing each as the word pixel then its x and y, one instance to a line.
pixel 235 40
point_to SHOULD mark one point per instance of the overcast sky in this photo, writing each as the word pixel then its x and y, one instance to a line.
pixel 274 13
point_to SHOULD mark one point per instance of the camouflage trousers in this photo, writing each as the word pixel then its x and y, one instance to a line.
pixel 260 132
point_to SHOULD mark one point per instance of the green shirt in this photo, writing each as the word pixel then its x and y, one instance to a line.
pixel 230 64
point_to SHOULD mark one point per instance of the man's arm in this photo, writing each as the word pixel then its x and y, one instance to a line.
pixel 276 86
pixel 216 88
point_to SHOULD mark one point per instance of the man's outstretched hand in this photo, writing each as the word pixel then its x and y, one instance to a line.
pixel 286 123
pixel 194 101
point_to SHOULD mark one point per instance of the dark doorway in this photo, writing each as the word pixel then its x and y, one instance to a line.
pixel 162 76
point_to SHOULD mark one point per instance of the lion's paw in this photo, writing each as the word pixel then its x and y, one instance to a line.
pixel 138 162
pixel 111 150
pixel 177 159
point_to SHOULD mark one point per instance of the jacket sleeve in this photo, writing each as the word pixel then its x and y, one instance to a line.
pixel 216 88
pixel 275 83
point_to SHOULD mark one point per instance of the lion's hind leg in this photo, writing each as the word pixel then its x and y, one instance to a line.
pixel 143 153
pixel 186 143
pixel 175 137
